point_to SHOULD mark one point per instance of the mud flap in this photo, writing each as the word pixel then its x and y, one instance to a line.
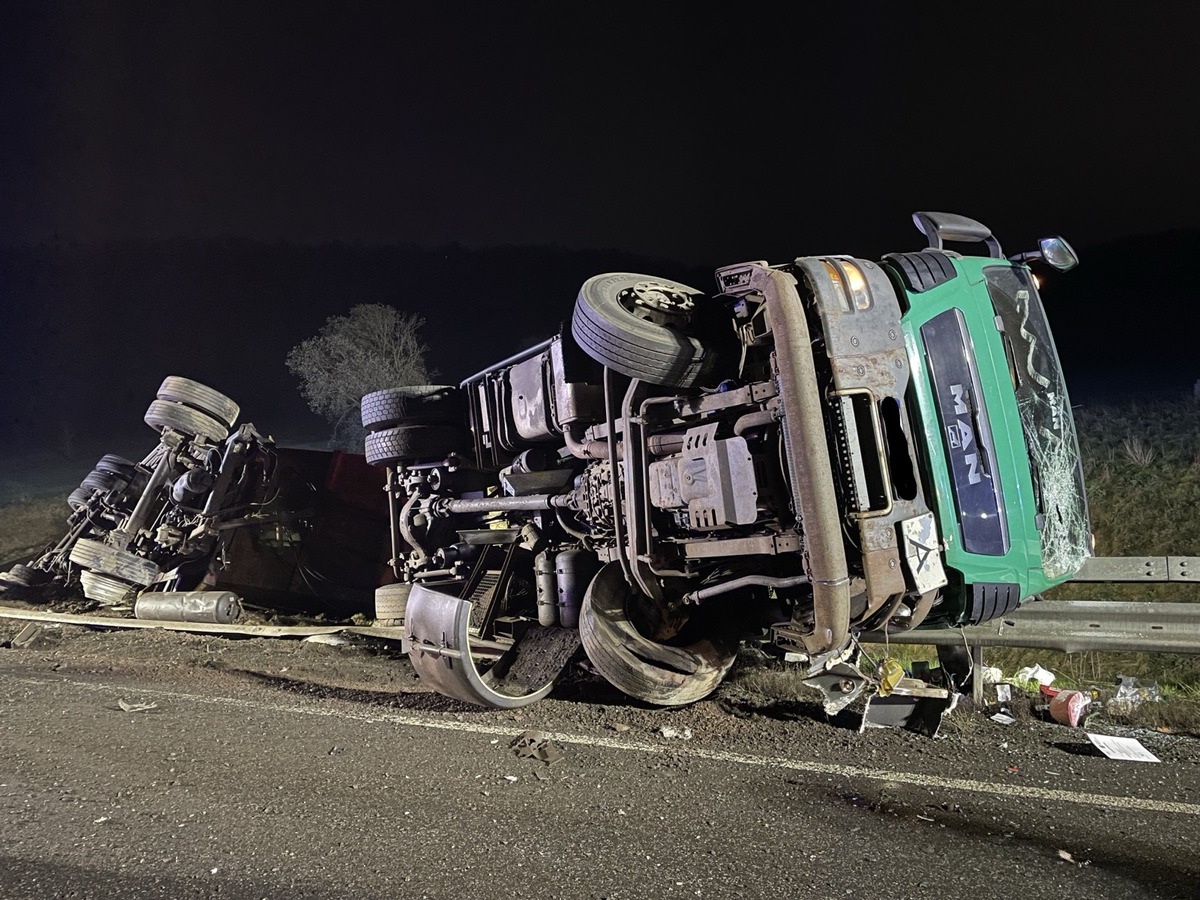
pixel 437 629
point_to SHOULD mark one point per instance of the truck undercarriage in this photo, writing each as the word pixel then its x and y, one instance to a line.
pixel 672 475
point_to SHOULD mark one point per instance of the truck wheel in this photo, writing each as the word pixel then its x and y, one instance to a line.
pixel 200 397
pixel 103 589
pixel 23 575
pixel 412 404
pixel 644 327
pixel 78 497
pixel 411 442
pixel 166 414
pixel 661 674
pixel 106 560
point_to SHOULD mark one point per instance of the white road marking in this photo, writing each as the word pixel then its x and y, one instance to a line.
pixel 915 779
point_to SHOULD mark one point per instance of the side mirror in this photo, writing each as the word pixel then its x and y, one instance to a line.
pixel 1054 252
pixel 1058 254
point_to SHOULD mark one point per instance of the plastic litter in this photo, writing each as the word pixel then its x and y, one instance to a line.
pixel 890 673
pixel 126 706
pixel 1067 707
pixel 1132 693
pixel 992 674
pixel 1035 673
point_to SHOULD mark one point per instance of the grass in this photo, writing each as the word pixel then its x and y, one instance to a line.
pixel 28 525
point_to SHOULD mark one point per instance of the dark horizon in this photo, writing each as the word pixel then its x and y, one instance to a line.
pixel 101 325
pixel 700 137
pixel 207 183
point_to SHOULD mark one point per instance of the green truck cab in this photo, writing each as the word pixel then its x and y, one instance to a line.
pixel 1001 457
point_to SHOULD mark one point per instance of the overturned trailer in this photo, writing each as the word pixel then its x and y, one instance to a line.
pixel 216 513
pixel 815 450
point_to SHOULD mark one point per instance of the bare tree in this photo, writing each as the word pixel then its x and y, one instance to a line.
pixel 371 348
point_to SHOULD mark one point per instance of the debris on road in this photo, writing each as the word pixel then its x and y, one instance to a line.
pixel 536 745
pixel 217 607
pixel 128 707
pixel 670 731
pixel 27 637
pixel 1067 707
pixel 1122 748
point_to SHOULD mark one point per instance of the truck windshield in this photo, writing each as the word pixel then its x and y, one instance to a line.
pixel 1045 411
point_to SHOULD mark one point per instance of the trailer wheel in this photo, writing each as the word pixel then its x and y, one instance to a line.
pixel 105 590
pixel 657 673
pixel 23 575
pixel 98 481
pixel 199 397
pixel 391 600
pixel 166 414
pixel 78 497
pixel 645 327
pixel 105 560
pixel 116 465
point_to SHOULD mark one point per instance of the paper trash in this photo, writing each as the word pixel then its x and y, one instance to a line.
pixel 1122 748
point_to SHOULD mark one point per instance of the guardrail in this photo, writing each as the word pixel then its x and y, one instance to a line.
pixel 1073 626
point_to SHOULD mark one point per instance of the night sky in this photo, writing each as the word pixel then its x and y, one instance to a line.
pixel 700 134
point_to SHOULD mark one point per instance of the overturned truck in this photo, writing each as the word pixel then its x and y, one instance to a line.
pixel 814 451
pixel 215 513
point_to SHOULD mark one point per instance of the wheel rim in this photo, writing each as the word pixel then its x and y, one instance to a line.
pixel 656 301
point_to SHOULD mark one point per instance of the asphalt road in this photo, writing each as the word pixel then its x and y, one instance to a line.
pixel 228 783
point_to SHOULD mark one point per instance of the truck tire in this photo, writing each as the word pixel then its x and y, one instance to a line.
pixel 115 465
pixel 105 590
pixel 98 481
pixel 200 397
pixel 166 414
pixel 644 327
pixel 412 404
pixel 661 674
pixel 391 600
pixel 406 443
pixel 105 560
